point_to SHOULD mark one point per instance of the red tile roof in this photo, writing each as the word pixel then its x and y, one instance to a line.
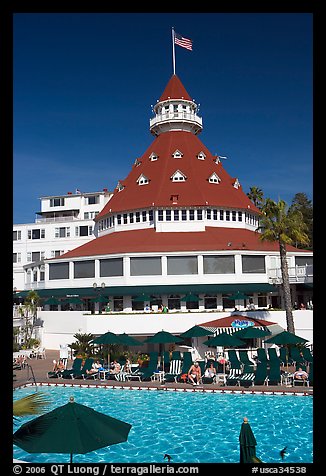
pixel 226 321
pixel 195 191
pixel 150 241
pixel 175 90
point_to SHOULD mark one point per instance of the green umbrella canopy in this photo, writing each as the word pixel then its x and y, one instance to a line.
pixel 285 338
pixel 128 340
pixel 100 298
pixel 247 443
pixel 52 301
pixel 190 298
pixel 196 331
pixel 238 295
pixel 142 298
pixel 163 337
pixel 224 340
pixel 73 429
pixel 108 338
pixel 252 333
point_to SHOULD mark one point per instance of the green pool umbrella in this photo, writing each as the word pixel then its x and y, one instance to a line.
pixel 247 444
pixel 52 301
pixel 73 429
pixel 128 340
pixel 190 298
pixel 285 338
pixel 196 331
pixel 163 337
pixel 108 338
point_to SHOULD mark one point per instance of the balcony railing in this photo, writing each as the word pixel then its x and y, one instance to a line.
pixel 56 219
pixel 175 117
pixel 297 274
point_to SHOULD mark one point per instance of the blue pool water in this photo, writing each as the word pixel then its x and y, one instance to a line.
pixel 193 427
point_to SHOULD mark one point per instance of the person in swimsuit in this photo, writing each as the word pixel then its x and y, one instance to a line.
pixel 194 374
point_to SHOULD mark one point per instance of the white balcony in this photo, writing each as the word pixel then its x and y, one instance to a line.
pixel 297 274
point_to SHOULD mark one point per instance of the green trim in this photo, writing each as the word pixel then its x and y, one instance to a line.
pixel 156 289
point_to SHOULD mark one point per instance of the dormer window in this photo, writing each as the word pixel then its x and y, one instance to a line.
pixel 217 160
pixel 214 178
pixel 201 156
pixel 137 162
pixel 142 180
pixel 236 184
pixel 119 186
pixel 153 157
pixel 178 176
pixel 177 154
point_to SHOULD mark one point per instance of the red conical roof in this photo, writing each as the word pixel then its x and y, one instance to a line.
pixel 161 191
pixel 175 90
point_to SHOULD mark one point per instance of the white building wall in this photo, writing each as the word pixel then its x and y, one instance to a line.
pixel 59 326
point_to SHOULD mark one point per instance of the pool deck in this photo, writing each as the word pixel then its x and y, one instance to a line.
pixel 42 366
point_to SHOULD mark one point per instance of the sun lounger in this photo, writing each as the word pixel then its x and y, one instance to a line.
pixel 273 356
pixel 175 371
pixel 76 366
pixel 246 361
pixel 233 377
pixel 82 373
pixel 274 373
pixel 234 361
pixel 261 355
pixel 261 374
pixel 307 354
pixel 246 379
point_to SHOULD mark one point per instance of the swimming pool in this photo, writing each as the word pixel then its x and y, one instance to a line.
pixel 192 427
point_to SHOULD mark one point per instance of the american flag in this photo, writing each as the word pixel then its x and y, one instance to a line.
pixel 183 42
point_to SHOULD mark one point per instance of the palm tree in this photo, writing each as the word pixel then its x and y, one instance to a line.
pixel 256 195
pixel 30 405
pixel 286 226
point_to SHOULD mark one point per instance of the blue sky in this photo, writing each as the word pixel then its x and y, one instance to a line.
pixel 84 84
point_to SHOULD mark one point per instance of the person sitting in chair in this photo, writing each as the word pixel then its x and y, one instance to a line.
pixel 194 374
pixel 300 374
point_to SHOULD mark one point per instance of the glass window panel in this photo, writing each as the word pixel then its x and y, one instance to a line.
pixel 59 271
pixel 219 264
pixel 84 269
pixel 182 265
pixel 303 261
pixel 253 264
pixel 111 267
pixel 145 266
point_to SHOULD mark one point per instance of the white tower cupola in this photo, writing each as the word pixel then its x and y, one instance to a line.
pixel 175 111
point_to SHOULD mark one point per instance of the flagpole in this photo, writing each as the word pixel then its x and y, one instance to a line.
pixel 173 50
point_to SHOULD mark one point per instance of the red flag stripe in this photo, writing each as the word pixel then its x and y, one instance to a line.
pixel 183 42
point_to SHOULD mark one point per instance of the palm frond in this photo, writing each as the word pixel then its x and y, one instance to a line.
pixel 30 405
